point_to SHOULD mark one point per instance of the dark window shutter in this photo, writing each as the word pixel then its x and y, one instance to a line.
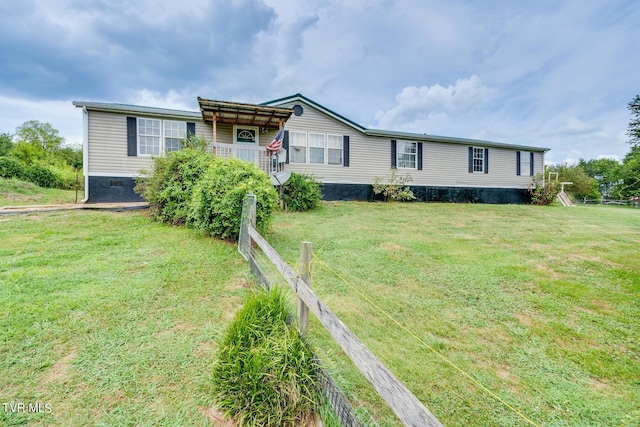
pixel 531 164
pixel 486 160
pixel 191 129
pixel 132 136
pixel 345 151
pixel 419 156
pixel 393 153
pixel 470 159
pixel 285 145
pixel 518 163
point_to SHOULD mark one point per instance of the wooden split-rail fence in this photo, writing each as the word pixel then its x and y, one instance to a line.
pixel 405 405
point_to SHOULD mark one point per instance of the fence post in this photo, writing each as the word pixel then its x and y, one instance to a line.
pixel 252 222
pixel 306 254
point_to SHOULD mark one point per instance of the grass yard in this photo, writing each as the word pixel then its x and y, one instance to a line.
pixel 14 192
pixel 538 304
pixel 111 319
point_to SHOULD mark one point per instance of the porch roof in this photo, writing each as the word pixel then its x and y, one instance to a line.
pixel 243 114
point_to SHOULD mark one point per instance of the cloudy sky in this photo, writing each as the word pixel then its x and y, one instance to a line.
pixel 556 74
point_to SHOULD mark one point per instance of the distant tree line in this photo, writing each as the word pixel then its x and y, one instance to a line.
pixel 606 178
pixel 37 153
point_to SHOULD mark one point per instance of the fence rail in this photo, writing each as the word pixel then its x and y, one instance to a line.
pixel 405 405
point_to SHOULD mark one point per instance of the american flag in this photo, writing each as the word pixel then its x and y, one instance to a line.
pixel 276 144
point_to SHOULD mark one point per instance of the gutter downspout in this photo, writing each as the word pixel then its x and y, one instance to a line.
pixel 85 152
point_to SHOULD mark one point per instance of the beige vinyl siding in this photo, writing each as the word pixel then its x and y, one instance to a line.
pixel 367 157
pixel 444 164
pixel 107 144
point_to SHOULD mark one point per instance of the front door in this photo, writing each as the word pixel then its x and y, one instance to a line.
pixel 245 139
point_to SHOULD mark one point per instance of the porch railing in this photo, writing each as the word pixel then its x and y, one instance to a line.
pixel 257 155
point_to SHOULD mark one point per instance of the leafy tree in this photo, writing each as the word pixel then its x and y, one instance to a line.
pixel 38 134
pixel 583 187
pixel 71 155
pixel 634 124
pixel 27 153
pixel 6 143
pixel 630 175
pixel 606 172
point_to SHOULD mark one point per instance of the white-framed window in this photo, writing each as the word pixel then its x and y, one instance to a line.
pixel 406 154
pixel 149 137
pixel 316 148
pixel 245 135
pixel 174 132
pixel 334 149
pixel 478 159
pixel 525 163
pixel 157 137
pixel 297 147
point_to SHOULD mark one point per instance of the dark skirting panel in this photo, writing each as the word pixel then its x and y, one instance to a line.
pixel 431 194
pixel 104 189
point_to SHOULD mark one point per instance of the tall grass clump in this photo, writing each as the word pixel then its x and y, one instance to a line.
pixel 265 374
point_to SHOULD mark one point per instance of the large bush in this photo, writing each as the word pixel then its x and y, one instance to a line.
pixel 169 186
pixel 216 206
pixel 12 168
pixel 43 177
pixel 301 192
pixel 265 375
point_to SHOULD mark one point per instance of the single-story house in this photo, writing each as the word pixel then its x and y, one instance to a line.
pixel 120 142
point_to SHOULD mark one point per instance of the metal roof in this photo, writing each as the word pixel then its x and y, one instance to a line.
pixel 137 109
pixel 402 135
pixel 243 114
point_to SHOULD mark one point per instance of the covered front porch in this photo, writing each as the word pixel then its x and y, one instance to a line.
pixel 252 128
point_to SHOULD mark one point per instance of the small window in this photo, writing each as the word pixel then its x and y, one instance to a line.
pixel 478 159
pixel 334 149
pixel 297 147
pixel 245 135
pixel 149 137
pixel 407 154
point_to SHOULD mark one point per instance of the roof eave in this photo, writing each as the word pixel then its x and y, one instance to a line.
pixel 450 140
pixel 137 110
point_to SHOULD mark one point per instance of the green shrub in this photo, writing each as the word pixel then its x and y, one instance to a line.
pixel 543 193
pixel 169 187
pixel 194 142
pixel 67 176
pixel 216 206
pixel 12 168
pixel 395 189
pixel 43 177
pixel 265 375
pixel 301 193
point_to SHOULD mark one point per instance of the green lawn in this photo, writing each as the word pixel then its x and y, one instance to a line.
pixel 113 319
pixel 14 192
pixel 110 318
pixel 538 304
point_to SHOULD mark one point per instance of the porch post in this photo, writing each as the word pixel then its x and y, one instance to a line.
pixel 215 133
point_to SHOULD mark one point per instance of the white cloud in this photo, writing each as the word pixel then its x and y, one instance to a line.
pixel 171 99
pixel 421 104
